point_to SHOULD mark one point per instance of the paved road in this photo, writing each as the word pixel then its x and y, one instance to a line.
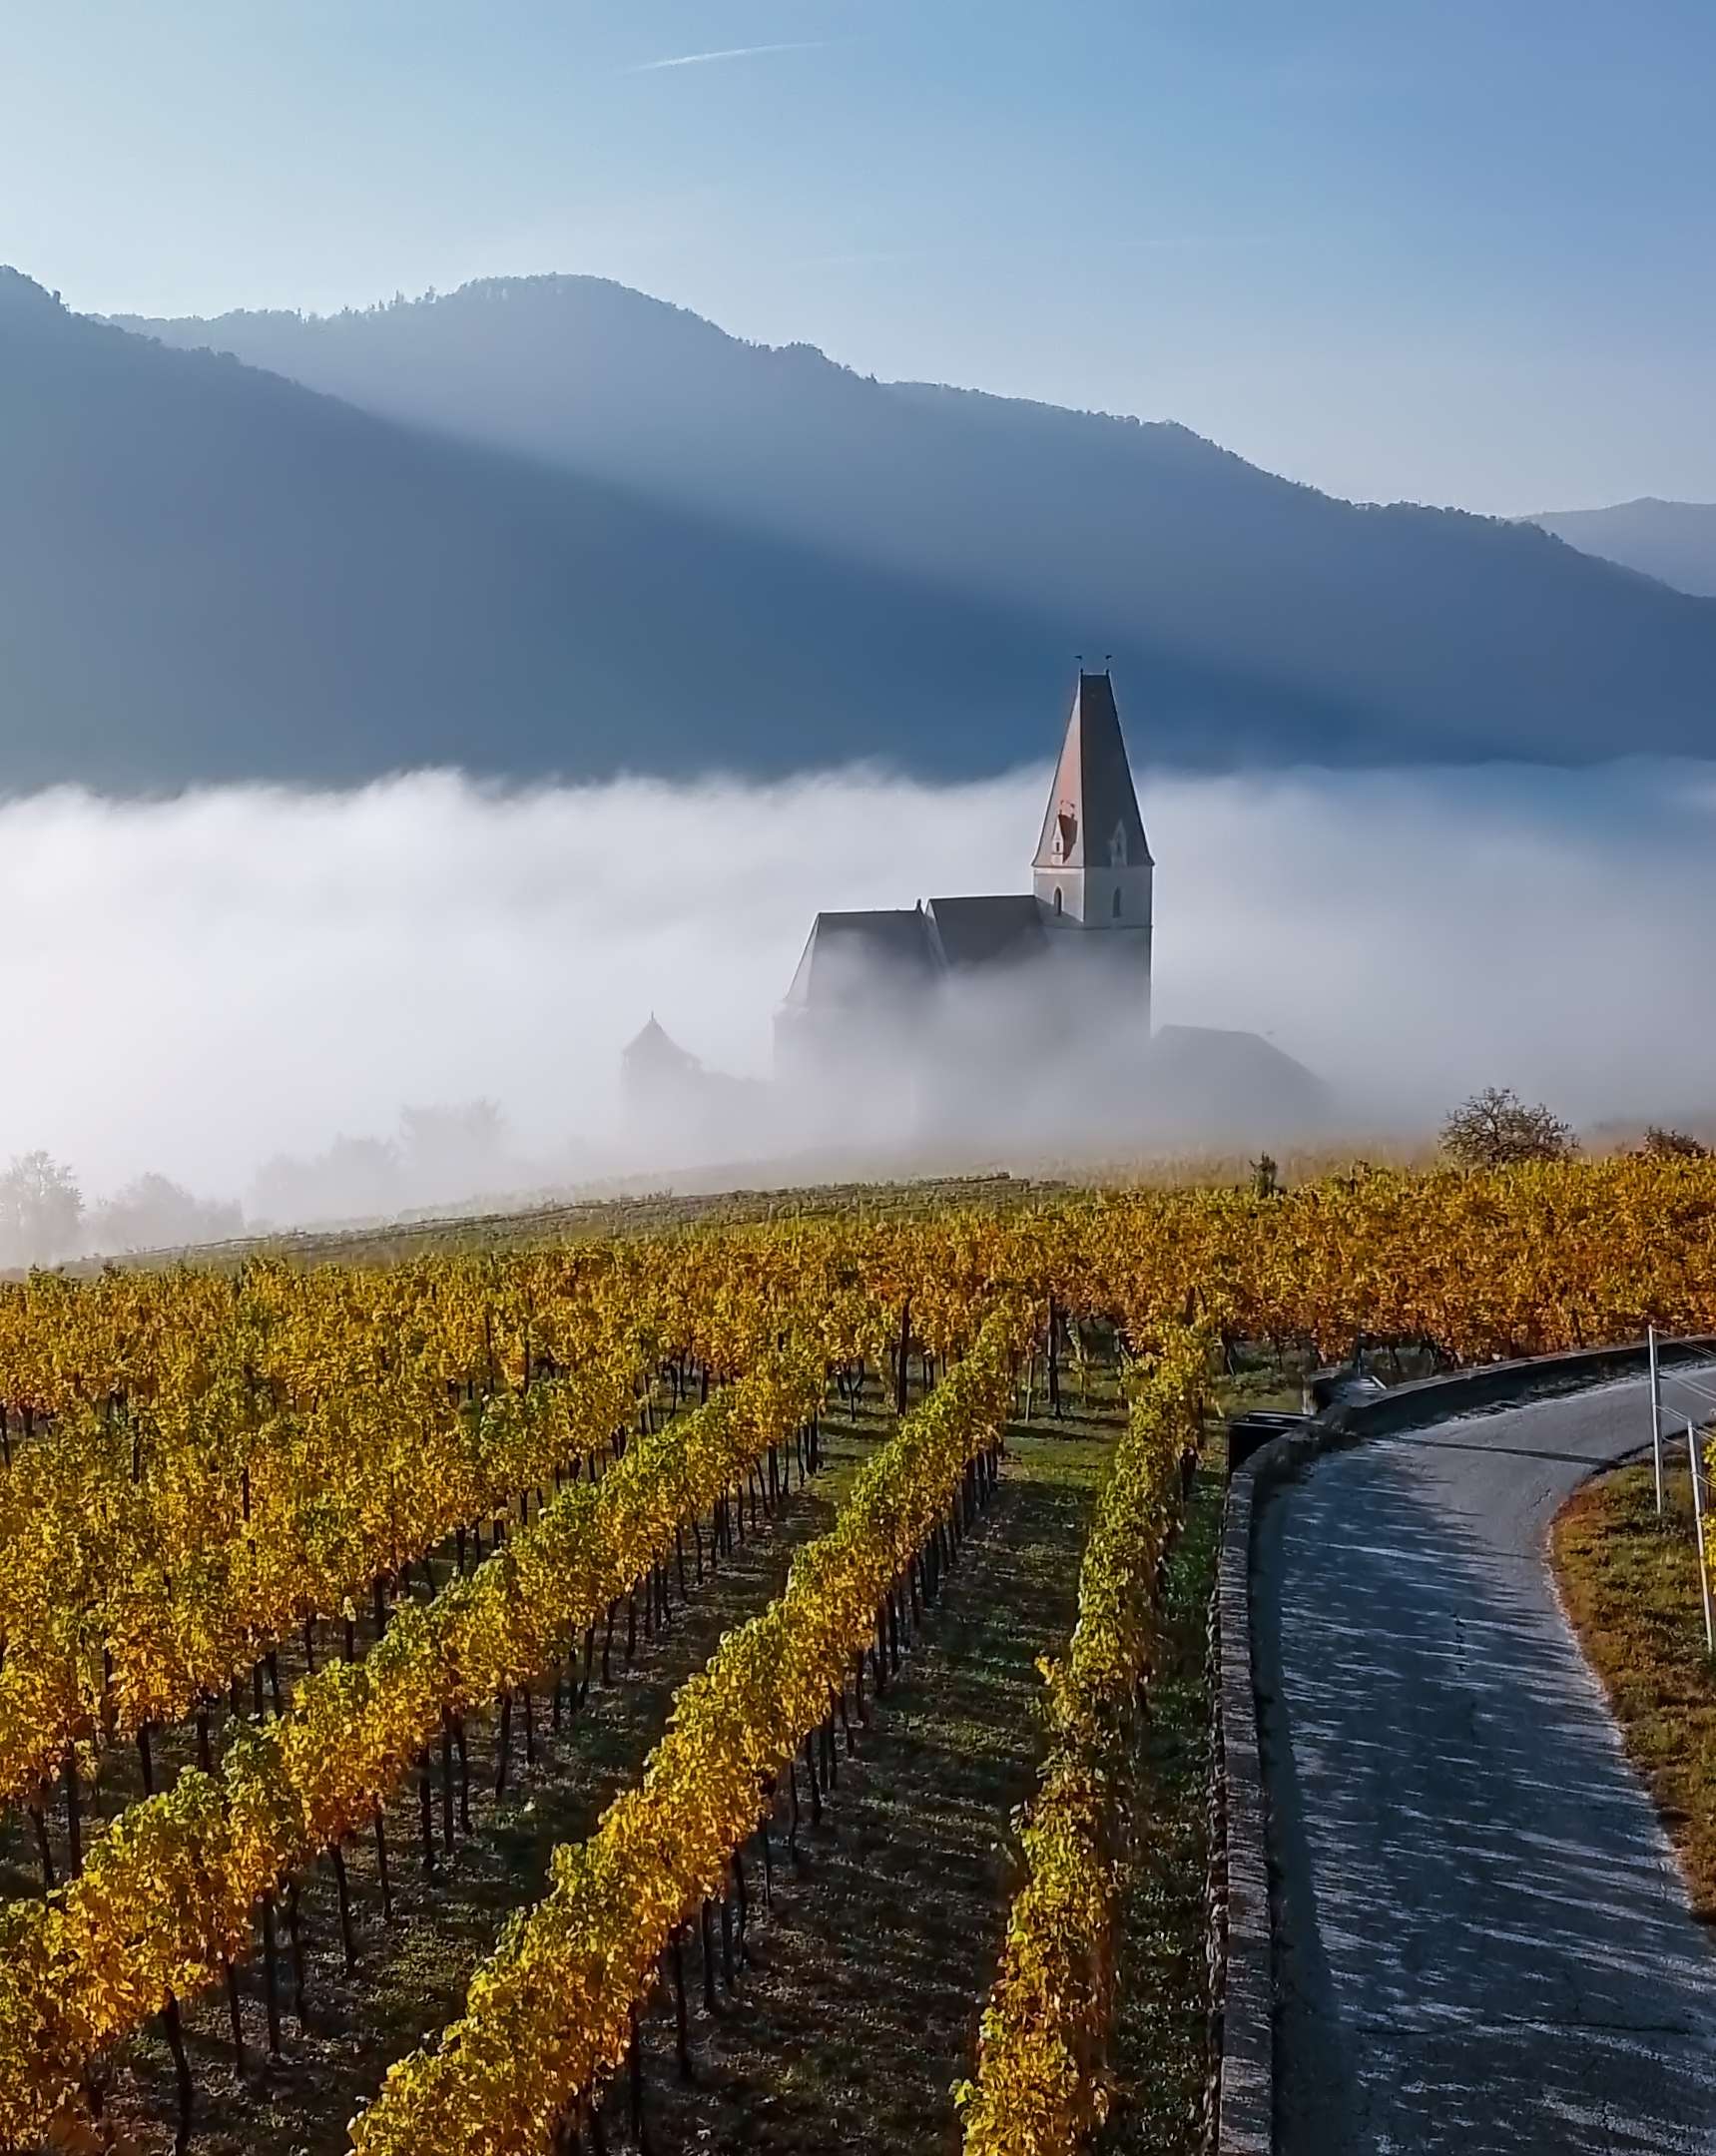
pixel 1488 1945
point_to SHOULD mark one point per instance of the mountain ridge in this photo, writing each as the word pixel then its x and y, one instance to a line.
pixel 1138 524
pixel 1672 541
pixel 510 528
pixel 208 572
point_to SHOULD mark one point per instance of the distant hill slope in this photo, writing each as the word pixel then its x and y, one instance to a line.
pixel 571 530
pixel 1249 615
pixel 1674 541
pixel 208 572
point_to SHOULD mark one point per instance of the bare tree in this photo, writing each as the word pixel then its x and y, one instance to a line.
pixel 1495 1129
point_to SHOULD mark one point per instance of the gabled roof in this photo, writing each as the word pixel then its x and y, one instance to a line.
pixel 858 958
pixel 1240 1081
pixel 981 931
pixel 652 1047
pixel 1092 807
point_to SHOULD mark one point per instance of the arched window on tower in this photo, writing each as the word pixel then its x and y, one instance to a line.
pixel 1057 898
pixel 1117 902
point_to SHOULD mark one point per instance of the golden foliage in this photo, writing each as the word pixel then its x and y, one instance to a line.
pixel 1040 2084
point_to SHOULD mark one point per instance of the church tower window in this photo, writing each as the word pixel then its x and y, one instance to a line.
pixel 1117 902
pixel 1057 898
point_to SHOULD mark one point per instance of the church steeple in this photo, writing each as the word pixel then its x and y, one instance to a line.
pixel 1092 819
pixel 1094 870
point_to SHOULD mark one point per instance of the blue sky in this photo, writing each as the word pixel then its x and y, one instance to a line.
pixel 1456 250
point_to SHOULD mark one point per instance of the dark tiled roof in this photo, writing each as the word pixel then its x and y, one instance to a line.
pixel 864 957
pixel 981 932
pixel 1092 803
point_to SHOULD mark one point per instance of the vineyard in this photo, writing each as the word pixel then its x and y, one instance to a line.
pixel 443 1702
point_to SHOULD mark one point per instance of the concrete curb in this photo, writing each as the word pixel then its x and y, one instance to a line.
pixel 1494 1384
pixel 1244 2088
pixel 1242 1928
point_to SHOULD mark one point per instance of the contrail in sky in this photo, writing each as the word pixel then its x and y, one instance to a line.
pixel 731 52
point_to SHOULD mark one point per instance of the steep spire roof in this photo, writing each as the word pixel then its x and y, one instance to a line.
pixel 653 1047
pixel 1092 820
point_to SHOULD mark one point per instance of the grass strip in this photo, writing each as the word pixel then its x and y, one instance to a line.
pixel 1630 1585
pixel 1043 2080
pixel 1162 2034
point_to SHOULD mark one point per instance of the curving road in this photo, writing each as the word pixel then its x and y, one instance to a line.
pixel 1484 1945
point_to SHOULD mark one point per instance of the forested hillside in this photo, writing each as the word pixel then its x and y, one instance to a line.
pixel 1253 617
pixel 554 528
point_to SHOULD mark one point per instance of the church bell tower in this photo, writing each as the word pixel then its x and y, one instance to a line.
pixel 1093 873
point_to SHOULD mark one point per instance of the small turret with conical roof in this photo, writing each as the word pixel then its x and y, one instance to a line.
pixel 1093 873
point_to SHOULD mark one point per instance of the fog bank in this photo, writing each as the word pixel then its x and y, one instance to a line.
pixel 196 986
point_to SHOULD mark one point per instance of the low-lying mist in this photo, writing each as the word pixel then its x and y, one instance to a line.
pixel 242 989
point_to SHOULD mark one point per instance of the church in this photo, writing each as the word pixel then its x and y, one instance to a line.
pixel 1081 937
pixel 1001 1025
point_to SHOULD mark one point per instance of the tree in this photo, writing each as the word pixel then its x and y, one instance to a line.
pixel 1660 1144
pixel 154 1213
pixel 355 1179
pixel 449 1153
pixel 1495 1129
pixel 40 1208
